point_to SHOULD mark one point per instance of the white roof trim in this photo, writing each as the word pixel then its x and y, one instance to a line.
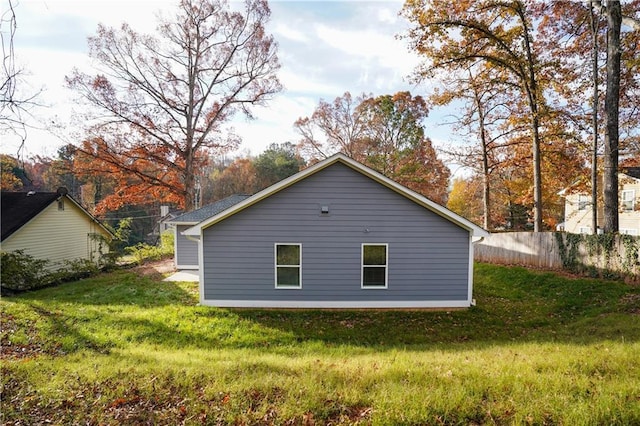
pixel 341 158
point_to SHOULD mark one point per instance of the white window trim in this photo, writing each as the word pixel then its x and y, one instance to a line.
pixel 386 267
pixel 629 231
pixel 633 199
pixel 275 267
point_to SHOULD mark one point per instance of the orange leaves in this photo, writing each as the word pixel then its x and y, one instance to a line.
pixel 9 180
pixel 167 95
pixel 136 175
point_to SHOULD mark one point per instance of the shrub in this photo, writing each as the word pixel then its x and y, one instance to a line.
pixel 22 272
pixel 76 269
pixel 143 251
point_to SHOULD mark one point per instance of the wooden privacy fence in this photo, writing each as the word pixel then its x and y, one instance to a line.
pixel 601 254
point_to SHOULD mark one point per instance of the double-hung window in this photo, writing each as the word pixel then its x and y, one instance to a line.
pixel 583 201
pixel 628 199
pixel 374 265
pixel 288 265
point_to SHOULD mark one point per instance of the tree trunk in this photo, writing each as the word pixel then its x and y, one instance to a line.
pixel 594 121
pixel 486 200
pixel 189 182
pixel 531 88
pixel 611 106
pixel 537 175
pixel 486 193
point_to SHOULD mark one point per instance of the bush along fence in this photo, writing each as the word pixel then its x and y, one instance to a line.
pixel 604 255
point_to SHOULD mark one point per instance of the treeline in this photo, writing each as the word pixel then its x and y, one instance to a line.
pixel 220 177
pixel 548 96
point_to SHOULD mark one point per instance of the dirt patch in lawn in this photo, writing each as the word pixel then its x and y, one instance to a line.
pixel 156 268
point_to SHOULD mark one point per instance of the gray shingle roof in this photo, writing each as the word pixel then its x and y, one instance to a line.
pixel 18 208
pixel 209 210
pixel 631 171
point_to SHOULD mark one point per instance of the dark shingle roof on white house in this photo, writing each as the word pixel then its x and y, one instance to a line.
pixel 18 208
pixel 634 172
pixel 205 212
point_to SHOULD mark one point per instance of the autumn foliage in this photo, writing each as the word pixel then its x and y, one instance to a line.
pixel 385 133
pixel 136 179
pixel 159 103
pixel 523 71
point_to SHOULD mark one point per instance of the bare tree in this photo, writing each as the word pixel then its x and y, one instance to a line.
pixel 13 105
pixel 161 101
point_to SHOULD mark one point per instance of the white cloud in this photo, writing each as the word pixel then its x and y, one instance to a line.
pixel 286 31
pixel 325 49
pixel 307 81
pixel 387 16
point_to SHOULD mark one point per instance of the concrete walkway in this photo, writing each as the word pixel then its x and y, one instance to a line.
pixel 187 275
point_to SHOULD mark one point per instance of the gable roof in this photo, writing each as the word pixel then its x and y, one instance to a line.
pixel 358 167
pixel 18 208
pixel 633 172
pixel 205 212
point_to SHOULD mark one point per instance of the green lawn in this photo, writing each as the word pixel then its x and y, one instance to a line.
pixel 122 349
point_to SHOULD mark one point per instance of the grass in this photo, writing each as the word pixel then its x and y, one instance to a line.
pixel 123 349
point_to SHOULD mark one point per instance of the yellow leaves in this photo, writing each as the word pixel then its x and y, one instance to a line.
pixel 9 181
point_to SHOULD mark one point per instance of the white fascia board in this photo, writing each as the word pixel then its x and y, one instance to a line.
pixel 335 304
pixel 470 270
pixel 194 231
pixel 201 271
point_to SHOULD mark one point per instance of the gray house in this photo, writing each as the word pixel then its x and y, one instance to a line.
pixel 186 249
pixel 336 235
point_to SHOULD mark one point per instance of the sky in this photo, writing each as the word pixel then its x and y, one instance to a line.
pixel 325 49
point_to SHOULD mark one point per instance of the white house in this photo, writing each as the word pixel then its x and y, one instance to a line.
pixel 51 226
pixel 579 212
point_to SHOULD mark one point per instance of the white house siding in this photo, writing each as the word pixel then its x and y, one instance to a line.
pixel 580 221
pixel 576 220
pixel 629 221
pixel 58 235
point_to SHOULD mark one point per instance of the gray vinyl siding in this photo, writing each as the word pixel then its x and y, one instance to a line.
pixel 428 256
pixel 186 250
